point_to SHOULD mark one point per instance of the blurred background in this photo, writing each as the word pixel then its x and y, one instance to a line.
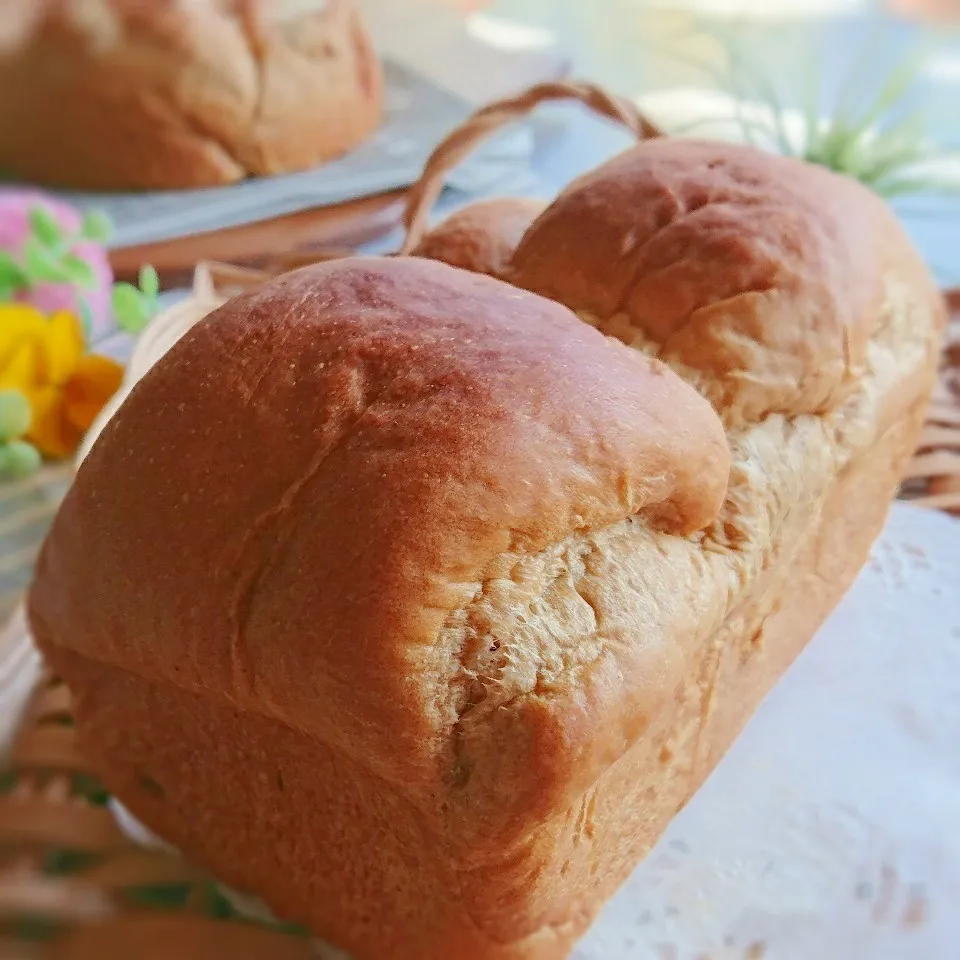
pixel 867 86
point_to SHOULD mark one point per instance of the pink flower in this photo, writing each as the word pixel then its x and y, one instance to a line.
pixel 49 298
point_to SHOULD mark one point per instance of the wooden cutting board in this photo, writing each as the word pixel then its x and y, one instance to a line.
pixel 343 226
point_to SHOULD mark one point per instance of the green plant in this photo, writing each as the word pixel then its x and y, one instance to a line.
pixel 877 137
pixel 135 305
pixel 871 131
pixel 15 415
pixel 17 457
pixel 49 256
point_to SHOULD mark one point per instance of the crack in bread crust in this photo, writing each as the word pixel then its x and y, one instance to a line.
pixel 529 634
pixel 735 596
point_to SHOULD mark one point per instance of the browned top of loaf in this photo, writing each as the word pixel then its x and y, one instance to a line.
pixel 391 501
pixel 292 503
pixel 760 275
pixel 483 236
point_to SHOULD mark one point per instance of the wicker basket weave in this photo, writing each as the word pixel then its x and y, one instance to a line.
pixel 72 886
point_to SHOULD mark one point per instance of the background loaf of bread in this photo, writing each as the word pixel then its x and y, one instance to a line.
pixel 131 94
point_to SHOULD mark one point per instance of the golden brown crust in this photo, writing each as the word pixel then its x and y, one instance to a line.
pixel 465 594
pixel 483 236
pixel 247 809
pixel 122 94
pixel 473 419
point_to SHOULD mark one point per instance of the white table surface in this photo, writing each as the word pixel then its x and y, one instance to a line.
pixel 831 831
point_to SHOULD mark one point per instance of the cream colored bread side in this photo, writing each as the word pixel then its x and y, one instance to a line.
pixel 122 94
pixel 728 269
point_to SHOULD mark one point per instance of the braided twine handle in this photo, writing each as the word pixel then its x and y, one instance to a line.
pixel 74 887
pixel 933 476
pixel 491 118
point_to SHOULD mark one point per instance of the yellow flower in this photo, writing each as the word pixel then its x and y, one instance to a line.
pixel 43 357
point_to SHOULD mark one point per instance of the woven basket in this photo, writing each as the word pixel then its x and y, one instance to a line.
pixel 72 885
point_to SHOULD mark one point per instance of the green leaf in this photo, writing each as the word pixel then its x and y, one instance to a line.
pixel 92 790
pixel 42 266
pixel 45 227
pixel 810 105
pixel 8 780
pixel 129 307
pixel 149 281
pixel 79 271
pixel 904 185
pixel 86 318
pixel 18 459
pixel 61 863
pixel 96 227
pixel 12 276
pixel 15 415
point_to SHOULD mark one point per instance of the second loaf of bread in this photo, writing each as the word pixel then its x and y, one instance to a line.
pixel 162 94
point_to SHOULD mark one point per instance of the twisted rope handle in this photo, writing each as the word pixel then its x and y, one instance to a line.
pixel 932 478
pixel 487 120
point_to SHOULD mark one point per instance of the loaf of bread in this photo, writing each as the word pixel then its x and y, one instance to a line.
pixel 417 603
pixel 160 94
